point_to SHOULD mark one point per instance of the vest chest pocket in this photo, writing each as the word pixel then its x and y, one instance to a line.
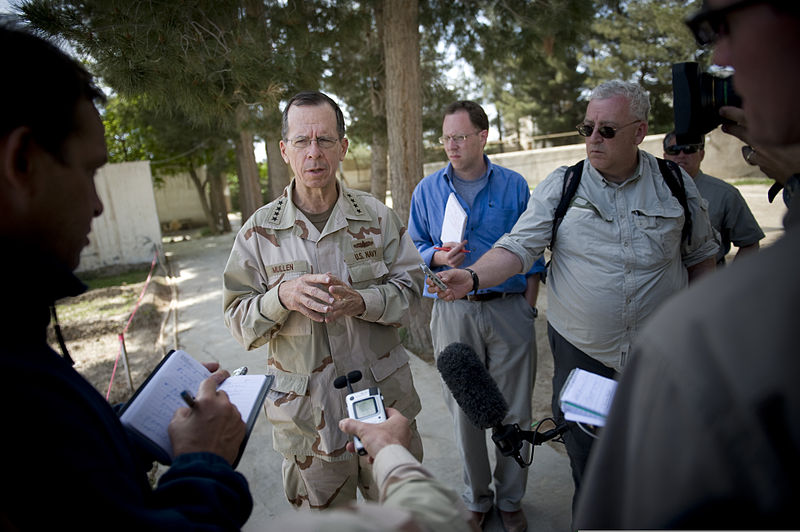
pixel 367 273
pixel 659 230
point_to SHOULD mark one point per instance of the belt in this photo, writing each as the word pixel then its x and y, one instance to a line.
pixel 488 296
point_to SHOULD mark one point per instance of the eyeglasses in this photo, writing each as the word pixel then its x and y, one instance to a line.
pixel 607 132
pixel 301 143
pixel 688 149
pixel 708 25
pixel 458 139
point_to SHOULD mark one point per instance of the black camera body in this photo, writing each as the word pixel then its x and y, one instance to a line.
pixel 697 97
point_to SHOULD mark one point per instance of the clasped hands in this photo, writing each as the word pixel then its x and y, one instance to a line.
pixel 321 297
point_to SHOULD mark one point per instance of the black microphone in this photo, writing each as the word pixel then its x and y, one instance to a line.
pixel 472 387
pixel 480 399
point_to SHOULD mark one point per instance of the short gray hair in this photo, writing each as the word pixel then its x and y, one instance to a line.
pixel 637 97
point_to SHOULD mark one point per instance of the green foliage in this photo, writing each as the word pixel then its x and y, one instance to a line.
pixel 126 135
pixel 639 41
pixel 170 141
pixel 524 52
pixel 180 69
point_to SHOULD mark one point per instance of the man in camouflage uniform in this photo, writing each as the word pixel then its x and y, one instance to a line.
pixel 324 276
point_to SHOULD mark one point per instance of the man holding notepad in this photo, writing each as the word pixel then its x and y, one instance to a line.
pixel 457 214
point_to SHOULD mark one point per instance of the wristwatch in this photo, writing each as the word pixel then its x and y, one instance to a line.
pixel 535 312
pixel 475 281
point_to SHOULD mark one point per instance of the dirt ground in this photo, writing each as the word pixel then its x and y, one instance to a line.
pixel 92 322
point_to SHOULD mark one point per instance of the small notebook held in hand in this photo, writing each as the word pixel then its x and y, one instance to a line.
pixel 152 407
pixel 455 221
pixel 586 397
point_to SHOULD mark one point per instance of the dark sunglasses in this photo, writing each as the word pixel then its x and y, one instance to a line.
pixel 708 25
pixel 607 132
pixel 688 149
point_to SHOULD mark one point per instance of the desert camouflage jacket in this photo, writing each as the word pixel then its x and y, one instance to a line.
pixel 363 243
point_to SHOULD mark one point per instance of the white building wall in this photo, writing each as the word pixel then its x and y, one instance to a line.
pixel 177 200
pixel 723 158
pixel 127 232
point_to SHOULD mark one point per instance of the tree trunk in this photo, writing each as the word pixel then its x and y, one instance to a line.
pixel 218 205
pixel 404 123
pixel 249 182
pixel 217 192
pixel 277 169
pixel 500 129
pixel 216 177
pixel 379 168
pixel 379 148
pixel 201 191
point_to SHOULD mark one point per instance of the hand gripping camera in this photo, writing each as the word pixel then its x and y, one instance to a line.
pixel 365 405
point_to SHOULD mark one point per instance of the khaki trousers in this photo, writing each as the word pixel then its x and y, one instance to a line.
pixel 502 334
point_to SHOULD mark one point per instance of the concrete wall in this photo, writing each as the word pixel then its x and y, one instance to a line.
pixel 127 232
pixel 178 203
pixel 355 175
pixel 723 158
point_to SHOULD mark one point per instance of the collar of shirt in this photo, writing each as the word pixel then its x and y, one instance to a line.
pixel 448 172
pixel 637 173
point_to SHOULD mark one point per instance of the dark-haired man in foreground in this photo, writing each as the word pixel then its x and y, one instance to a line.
pixel 68 462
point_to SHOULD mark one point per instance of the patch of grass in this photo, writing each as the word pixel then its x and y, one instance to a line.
pixel 108 305
pixel 120 279
pixel 752 181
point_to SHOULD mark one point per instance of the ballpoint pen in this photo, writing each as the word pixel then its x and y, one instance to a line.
pixel 186 396
pixel 448 249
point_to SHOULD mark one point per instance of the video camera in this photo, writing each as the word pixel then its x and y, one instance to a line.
pixel 697 97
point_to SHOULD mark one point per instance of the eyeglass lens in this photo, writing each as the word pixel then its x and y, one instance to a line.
pixel 458 139
pixel 304 142
pixel 688 149
pixel 607 132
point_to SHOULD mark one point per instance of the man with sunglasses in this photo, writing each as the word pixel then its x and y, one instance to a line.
pixel 497 323
pixel 705 427
pixel 323 276
pixel 730 216
pixel 619 254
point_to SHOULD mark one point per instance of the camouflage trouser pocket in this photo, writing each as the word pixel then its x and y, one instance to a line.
pixel 398 389
pixel 313 484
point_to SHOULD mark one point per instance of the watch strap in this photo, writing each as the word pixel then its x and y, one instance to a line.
pixel 475 281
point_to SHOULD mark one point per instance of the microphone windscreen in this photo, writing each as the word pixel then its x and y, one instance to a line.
pixel 471 385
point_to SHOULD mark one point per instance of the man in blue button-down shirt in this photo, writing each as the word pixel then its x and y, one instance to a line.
pixel 496 322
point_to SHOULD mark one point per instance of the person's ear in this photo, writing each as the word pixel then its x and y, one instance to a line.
pixel 16 151
pixel 284 156
pixel 641 132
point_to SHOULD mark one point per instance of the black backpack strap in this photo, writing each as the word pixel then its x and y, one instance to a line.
pixel 671 173
pixel 572 178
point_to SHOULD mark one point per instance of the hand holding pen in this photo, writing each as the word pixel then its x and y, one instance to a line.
pixel 450 254
pixel 188 398
pixel 211 423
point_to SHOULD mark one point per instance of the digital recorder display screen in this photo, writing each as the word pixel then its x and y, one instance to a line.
pixel 365 408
